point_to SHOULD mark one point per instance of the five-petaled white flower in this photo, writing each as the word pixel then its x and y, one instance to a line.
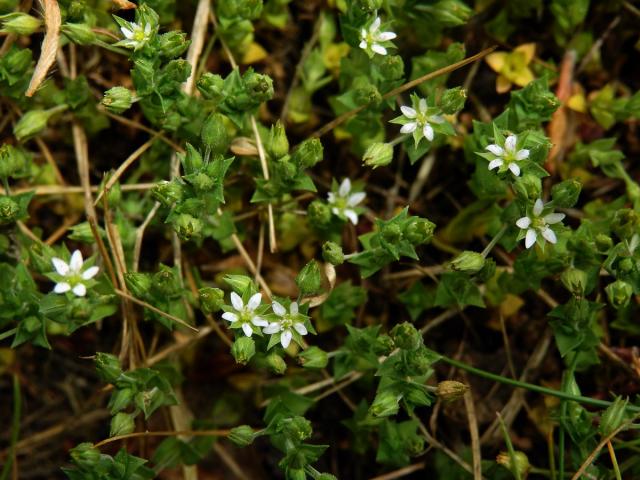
pixel 536 223
pixel 73 276
pixel 136 35
pixel 245 314
pixel 420 120
pixel 343 201
pixel 371 39
pixel 507 156
pixel 287 322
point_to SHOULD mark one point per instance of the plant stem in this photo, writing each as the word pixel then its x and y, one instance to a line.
pixel 8 333
pixel 494 241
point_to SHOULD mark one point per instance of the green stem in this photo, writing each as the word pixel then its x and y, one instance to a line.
pixel 399 139
pixel 493 241
pixel 8 333
pixel 614 461
pixel 563 415
pixel 15 428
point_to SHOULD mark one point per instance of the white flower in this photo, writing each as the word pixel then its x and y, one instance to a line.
pixel 536 224
pixel 507 156
pixel 420 120
pixel 135 35
pixel 73 275
pixel 343 202
pixel 371 39
pixel 288 322
pixel 245 314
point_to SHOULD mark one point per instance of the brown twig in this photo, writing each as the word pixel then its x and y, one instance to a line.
pixel 474 434
pixel 154 309
pixel 52 21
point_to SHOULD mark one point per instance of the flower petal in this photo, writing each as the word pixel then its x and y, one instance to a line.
pixel 363 44
pixel 375 25
pixel 409 127
pixel 379 49
pixel 386 36
pixel 345 187
pixel 523 222
pixel 554 218
pixel 80 290
pixel 335 211
pixel 427 131
pixel 60 265
pixel 510 143
pixel 90 273
pixel 351 215
pixel 254 301
pixel 522 154
pixel 498 162
pixel 285 338
pixel 515 169
pixel 422 105
pixel 436 119
pixel 273 327
pixel 530 238
pixel 75 264
pixel 300 328
pixel 549 235
pixel 537 207
pixel 355 198
pixel 127 32
pixel 230 317
pixel 259 321
pixel 408 111
pixel 236 301
pixel 331 197
pixel 293 308
pixel 497 150
pixel 62 287
pixel 246 328
pixel 278 309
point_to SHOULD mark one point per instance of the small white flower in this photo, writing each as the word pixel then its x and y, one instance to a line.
pixel 507 156
pixel 135 35
pixel 537 224
pixel 420 120
pixel 74 277
pixel 343 201
pixel 288 322
pixel 371 40
pixel 245 314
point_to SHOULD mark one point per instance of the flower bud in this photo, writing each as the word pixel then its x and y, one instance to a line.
pixel 313 357
pixel 276 363
pixel 603 242
pixel 332 253
pixel 528 187
pixel 201 182
pixel 107 366
pixel 172 44
pixel 575 281
pixel 384 345
pixel 369 6
pixel 242 435
pixel 210 86
pixel 453 100
pixel 117 99
pixel 259 87
pixel 626 265
pixel 385 404
pixel 619 294
pixel 565 194
pixel 187 226
pixel 391 67
pixel 392 233
pixel 85 455
pixel 211 299
pixel 406 337
pixel 120 399
pixel 176 71
pixel 319 214
pixel 450 390
pixel 243 349
pixel 9 210
pixel 378 155
pixel 308 153
pixel 278 144
pixel 121 424
pixel 214 134
pixel 295 428
pixel 12 160
pixel 79 33
pixel 626 223
pixel 20 23
pixel 139 284
pixel 419 361
pixel 519 458
pixel 309 280
pixel 33 122
pixel 167 193
pixel 366 94
pixel 165 281
pixel 81 232
pixel 468 261
pixel 487 271
pixel 419 231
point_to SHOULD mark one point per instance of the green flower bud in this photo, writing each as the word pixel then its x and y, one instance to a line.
pixel 626 265
pixel 79 33
pixel 332 253
pixel 450 390
pixel 519 458
pixel 565 194
pixel 211 299
pixel 528 187
pixel 366 95
pixel 419 231
pixel 308 153
pixel 319 214
pixel 259 87
pixel 191 160
pixel 108 367
pixel 34 121
pixel 468 261
pixel 619 294
pixel 378 155
pixel 242 435
pixel 385 404
pixel 406 337
pixel 243 349
pixel 313 357
pixel 117 99
pixel 139 284
pixel 384 345
pixel 276 363
pixel 187 226
pixel 626 223
pixel 487 271
pixel 453 100
pixel 603 242
pixel 309 280
pixel 295 428
pixel 214 134
pixel 167 193
pixel 575 281
pixel 85 455
pixel 172 44
pixel 369 6
pixel 391 67
pixel 81 232
pixel 278 144
pixel 177 71
pixel 210 86
pixel 165 281
pixel 11 160
pixel 392 233
pixel 20 23
pixel 9 210
pixel 121 424
pixel 202 182
pixel 419 361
